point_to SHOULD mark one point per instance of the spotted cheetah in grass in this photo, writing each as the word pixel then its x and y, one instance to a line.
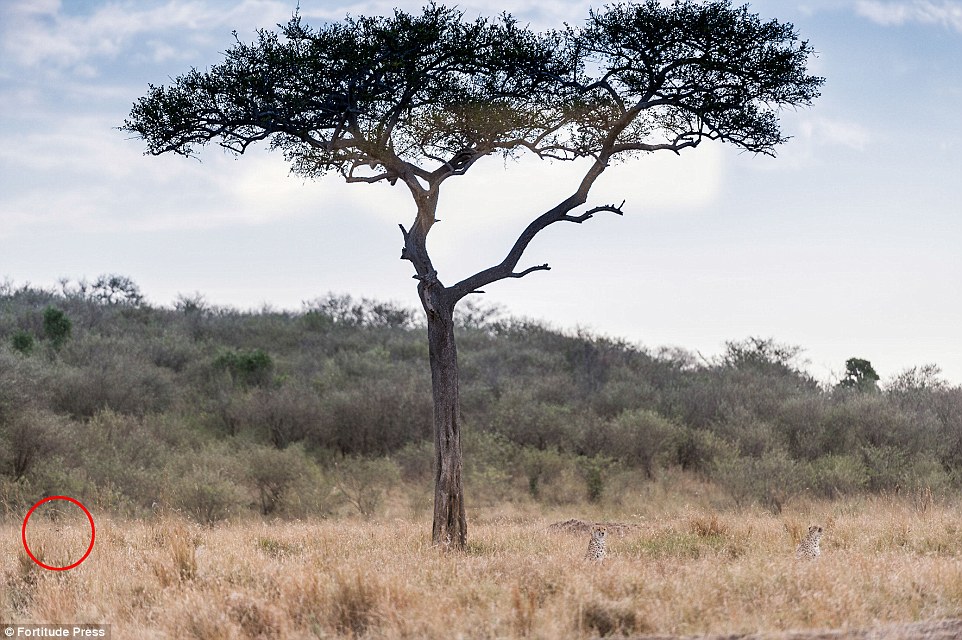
pixel 808 547
pixel 596 546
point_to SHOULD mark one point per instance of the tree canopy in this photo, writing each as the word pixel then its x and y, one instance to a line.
pixel 420 98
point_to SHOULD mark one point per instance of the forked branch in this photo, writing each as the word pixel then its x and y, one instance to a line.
pixel 506 268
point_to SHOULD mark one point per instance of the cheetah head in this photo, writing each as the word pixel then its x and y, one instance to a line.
pixel 814 532
pixel 599 533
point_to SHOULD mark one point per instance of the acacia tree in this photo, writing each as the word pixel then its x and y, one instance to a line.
pixel 418 99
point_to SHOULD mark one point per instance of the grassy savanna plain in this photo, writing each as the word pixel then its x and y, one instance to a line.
pixel 683 565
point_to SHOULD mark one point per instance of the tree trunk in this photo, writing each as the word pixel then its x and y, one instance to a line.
pixel 450 525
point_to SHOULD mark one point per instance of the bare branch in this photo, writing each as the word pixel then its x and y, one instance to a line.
pixel 587 215
pixel 675 147
pixel 521 274
pixel 385 175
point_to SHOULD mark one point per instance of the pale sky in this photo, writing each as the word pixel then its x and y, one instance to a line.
pixel 849 243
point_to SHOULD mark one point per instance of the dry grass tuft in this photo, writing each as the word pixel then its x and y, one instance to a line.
pixel 608 618
pixel 354 603
pixel 178 562
pixel 708 526
pixel 922 499
pixel 256 618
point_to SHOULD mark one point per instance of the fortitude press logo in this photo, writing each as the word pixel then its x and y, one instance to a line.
pixel 70 631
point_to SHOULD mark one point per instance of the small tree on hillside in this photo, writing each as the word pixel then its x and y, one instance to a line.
pixel 416 100
pixel 114 289
pixel 859 375
pixel 56 326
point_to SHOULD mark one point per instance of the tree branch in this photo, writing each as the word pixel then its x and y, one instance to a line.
pixel 587 215
pixel 506 269
pixel 521 274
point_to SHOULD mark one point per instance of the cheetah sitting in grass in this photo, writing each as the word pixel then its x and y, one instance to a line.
pixel 808 547
pixel 596 546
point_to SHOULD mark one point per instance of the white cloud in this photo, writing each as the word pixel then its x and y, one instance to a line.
pixel 830 132
pixel 45 34
pixel 539 14
pixel 38 34
pixel 947 13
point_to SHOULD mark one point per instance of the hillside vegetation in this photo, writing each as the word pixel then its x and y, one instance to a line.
pixel 220 413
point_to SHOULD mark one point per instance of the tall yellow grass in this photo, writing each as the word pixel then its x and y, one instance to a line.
pixel 680 569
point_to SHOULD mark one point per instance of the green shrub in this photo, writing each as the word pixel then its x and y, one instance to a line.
pixel 875 421
pixel 56 326
pixel 834 476
pixel 804 426
pixel 488 465
pixel 527 420
pixel 696 449
pixel 22 342
pixel 206 493
pixel 249 368
pixel 123 455
pixel 643 438
pixel 287 482
pixel 885 466
pixel 595 471
pixel 771 480
pixel 539 467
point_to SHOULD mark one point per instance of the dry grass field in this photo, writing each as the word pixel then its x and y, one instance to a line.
pixel 679 568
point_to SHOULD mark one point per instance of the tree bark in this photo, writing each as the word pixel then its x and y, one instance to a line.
pixel 450 528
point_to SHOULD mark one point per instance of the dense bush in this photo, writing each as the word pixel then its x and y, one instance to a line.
pixel 219 412
pixel 22 342
pixel 56 326
pixel 287 482
pixel 246 367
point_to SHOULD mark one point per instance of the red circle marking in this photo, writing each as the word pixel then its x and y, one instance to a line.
pixel 93 533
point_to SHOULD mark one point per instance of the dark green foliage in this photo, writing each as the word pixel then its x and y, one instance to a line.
pixel 859 375
pixel 22 342
pixel 246 367
pixel 595 471
pixel 422 78
pixel 56 326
